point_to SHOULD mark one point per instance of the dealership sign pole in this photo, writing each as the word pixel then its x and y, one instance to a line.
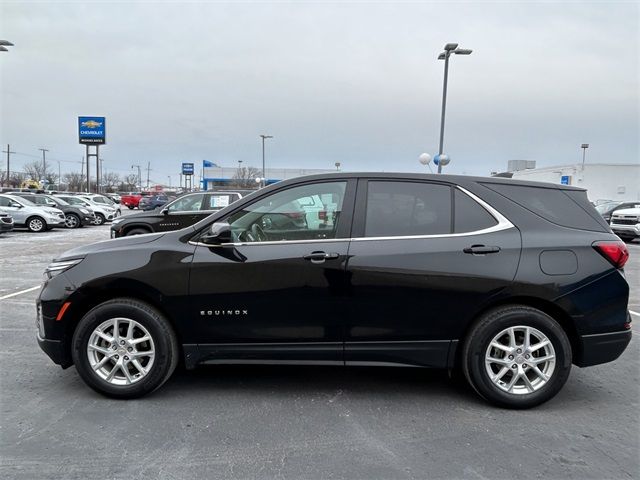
pixel 92 132
pixel 188 170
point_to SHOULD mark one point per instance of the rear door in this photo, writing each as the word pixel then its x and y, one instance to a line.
pixel 423 257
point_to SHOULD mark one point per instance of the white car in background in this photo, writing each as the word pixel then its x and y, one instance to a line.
pixel 103 200
pixel 27 214
pixel 104 213
pixel 626 223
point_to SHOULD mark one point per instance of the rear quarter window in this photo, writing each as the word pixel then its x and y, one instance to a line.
pixel 567 208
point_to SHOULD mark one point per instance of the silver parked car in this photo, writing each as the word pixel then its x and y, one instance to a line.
pixel 27 214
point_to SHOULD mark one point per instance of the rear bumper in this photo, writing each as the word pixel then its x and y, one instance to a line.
pixel 602 347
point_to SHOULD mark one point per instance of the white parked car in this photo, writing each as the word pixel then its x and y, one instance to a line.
pixel 104 213
pixel 626 223
pixel 103 200
pixel 27 214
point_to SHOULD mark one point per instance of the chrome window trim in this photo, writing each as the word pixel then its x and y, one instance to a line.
pixel 503 224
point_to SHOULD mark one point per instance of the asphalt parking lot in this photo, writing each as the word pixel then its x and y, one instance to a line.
pixel 294 422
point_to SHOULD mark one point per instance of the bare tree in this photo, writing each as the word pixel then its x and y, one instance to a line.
pixel 15 178
pixel 51 178
pixel 128 183
pixel 36 170
pixel 245 177
pixel 74 181
pixel 111 180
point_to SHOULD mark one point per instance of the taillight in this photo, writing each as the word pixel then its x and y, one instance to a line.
pixel 616 252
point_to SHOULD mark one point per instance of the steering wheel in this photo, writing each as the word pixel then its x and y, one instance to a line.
pixel 257 233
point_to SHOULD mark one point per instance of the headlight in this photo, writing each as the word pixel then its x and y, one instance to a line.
pixel 56 268
pixel 51 211
pixel 85 211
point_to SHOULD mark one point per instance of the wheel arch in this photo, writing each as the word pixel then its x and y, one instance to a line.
pixel 127 228
pixel 84 300
pixel 554 311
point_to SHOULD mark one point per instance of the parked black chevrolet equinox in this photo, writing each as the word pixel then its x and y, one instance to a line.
pixel 509 281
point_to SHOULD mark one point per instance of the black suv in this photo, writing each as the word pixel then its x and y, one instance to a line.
pixel 181 212
pixel 509 281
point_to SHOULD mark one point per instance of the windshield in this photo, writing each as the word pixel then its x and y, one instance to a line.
pixel 605 207
pixel 24 201
pixel 76 201
pixel 59 201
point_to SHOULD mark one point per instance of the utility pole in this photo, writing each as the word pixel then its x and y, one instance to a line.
pixel 44 163
pixel 8 152
pixel 584 147
pixel 59 175
pixel 81 172
pixel 148 170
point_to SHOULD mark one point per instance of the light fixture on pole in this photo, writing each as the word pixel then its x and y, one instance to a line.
pixel 337 164
pixel 449 48
pixel 425 159
pixel 4 44
pixel 264 177
pixel 584 147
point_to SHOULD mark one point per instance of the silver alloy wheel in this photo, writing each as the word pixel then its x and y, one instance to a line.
pixel 121 351
pixel 71 221
pixel 99 219
pixel 36 224
pixel 520 360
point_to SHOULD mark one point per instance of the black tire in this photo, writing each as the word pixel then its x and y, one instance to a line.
pixel 71 220
pixel 162 334
pixel 131 207
pixel 136 231
pixel 484 331
pixel 100 219
pixel 36 224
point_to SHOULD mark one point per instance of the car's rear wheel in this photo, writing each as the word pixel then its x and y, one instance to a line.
pixel 516 357
pixel 36 224
pixel 136 231
pixel 71 220
pixel 124 348
pixel 99 219
pixel 131 207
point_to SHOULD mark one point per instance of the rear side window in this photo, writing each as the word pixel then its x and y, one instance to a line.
pixel 568 209
pixel 407 208
pixel 469 215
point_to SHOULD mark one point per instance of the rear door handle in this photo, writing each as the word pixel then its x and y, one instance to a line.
pixel 320 257
pixel 481 249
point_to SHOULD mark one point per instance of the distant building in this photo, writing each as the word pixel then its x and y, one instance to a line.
pixel 603 181
pixel 217 176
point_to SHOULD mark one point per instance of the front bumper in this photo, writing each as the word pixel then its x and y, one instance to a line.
pixel 88 219
pixel 626 230
pixel 56 351
pixel 602 347
pixel 6 227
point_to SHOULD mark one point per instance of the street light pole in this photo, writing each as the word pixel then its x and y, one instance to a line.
pixel 448 49
pixel 584 147
pixel 44 163
pixel 264 179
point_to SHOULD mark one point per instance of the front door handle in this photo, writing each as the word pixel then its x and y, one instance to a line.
pixel 320 257
pixel 481 249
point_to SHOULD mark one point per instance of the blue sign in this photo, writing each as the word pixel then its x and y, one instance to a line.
pixel 91 130
pixel 564 180
pixel 187 169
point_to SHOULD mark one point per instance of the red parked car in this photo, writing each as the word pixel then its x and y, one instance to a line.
pixel 131 199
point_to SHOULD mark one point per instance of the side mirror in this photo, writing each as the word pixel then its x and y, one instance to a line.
pixel 15 204
pixel 52 204
pixel 218 234
pixel 164 211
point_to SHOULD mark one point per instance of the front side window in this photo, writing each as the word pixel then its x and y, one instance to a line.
pixel 407 208
pixel 190 203
pixel 306 212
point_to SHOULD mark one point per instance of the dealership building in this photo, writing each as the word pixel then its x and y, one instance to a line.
pixel 215 176
pixel 603 181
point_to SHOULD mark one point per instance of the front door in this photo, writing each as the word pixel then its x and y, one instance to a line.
pixel 277 291
pixel 419 269
pixel 182 212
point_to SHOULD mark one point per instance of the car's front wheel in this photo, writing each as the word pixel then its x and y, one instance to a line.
pixel 516 357
pixel 124 348
pixel 36 224
pixel 71 220
pixel 100 219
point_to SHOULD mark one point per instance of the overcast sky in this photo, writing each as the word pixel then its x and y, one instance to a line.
pixel 357 82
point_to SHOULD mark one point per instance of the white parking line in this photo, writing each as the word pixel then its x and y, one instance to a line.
pixel 634 313
pixel 19 293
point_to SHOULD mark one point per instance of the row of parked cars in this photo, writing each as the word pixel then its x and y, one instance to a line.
pixel 39 212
